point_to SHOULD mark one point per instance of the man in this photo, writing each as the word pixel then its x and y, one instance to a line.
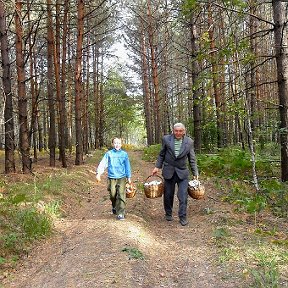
pixel 119 170
pixel 176 150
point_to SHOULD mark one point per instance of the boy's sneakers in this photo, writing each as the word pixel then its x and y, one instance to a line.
pixel 114 211
pixel 120 217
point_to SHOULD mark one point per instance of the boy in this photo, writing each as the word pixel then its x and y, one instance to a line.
pixel 118 164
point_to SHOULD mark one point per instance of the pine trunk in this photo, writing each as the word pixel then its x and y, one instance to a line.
pixel 78 84
pixel 22 97
pixel 281 49
pixel 8 109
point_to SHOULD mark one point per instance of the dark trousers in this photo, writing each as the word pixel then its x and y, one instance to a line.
pixel 182 194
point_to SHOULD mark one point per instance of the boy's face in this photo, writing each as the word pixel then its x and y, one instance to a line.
pixel 117 144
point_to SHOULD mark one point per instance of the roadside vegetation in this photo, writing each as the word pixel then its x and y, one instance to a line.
pixel 29 204
pixel 259 252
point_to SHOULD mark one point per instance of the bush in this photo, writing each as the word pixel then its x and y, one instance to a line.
pixel 33 224
pixel 151 153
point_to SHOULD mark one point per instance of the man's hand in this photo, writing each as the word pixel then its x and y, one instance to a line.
pixel 98 178
pixel 129 180
pixel 155 171
pixel 196 177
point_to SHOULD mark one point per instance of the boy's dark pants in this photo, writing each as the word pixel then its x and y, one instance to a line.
pixel 116 188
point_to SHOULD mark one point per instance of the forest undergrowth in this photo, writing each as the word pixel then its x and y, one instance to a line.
pixel 252 237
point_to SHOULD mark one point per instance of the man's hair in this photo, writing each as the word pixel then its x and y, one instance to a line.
pixel 179 125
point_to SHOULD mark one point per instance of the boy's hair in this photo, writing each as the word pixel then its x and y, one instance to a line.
pixel 115 139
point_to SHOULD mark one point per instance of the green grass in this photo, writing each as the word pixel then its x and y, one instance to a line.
pixel 29 206
pixel 133 253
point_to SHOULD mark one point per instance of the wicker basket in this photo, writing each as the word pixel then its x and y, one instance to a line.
pixel 130 190
pixel 153 190
pixel 196 191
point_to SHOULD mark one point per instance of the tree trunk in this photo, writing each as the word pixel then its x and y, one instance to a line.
pixel 155 79
pixel 78 83
pixel 60 100
pixel 50 87
pixel 22 97
pixel 86 105
pixel 101 104
pixel 8 112
pixel 197 91
pixel 33 92
pixel 215 80
pixel 281 49
pixel 96 94
pixel 64 75
pixel 146 90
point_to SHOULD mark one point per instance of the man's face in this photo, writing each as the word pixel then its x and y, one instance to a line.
pixel 178 132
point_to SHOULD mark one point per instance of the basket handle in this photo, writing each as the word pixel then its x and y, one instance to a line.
pixel 154 176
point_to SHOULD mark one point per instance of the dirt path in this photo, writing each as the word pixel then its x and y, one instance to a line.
pixel 87 250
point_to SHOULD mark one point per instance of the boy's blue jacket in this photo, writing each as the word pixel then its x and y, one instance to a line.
pixel 117 162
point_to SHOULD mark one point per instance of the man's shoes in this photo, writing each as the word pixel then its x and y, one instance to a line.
pixel 114 211
pixel 120 217
pixel 183 221
pixel 168 217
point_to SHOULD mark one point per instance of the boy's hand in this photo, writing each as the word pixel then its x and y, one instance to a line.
pixel 98 178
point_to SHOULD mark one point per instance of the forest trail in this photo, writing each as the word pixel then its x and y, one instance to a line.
pixel 92 249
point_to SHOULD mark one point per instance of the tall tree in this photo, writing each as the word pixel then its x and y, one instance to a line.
pixel 196 83
pixel 59 97
pixel 155 73
pixel 50 86
pixel 78 83
pixel 281 49
pixel 22 97
pixel 215 79
pixel 8 113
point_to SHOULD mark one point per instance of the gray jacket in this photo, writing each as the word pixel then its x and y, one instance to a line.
pixel 170 163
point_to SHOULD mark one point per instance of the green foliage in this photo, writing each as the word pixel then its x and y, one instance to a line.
pixel 18 198
pixel 27 211
pixel 220 233
pixel 232 163
pixel 22 225
pixel 209 135
pixel 121 109
pixel 151 153
pixel 133 253
pixel 52 185
pixel 33 224
pixel 276 193
pixel 228 254
pixel 236 3
pixel 253 204
pixel 53 209
pixel 188 6
pixel 235 164
pixel 267 273
pixel 10 240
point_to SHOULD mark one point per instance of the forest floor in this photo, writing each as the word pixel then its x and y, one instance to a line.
pixel 90 248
